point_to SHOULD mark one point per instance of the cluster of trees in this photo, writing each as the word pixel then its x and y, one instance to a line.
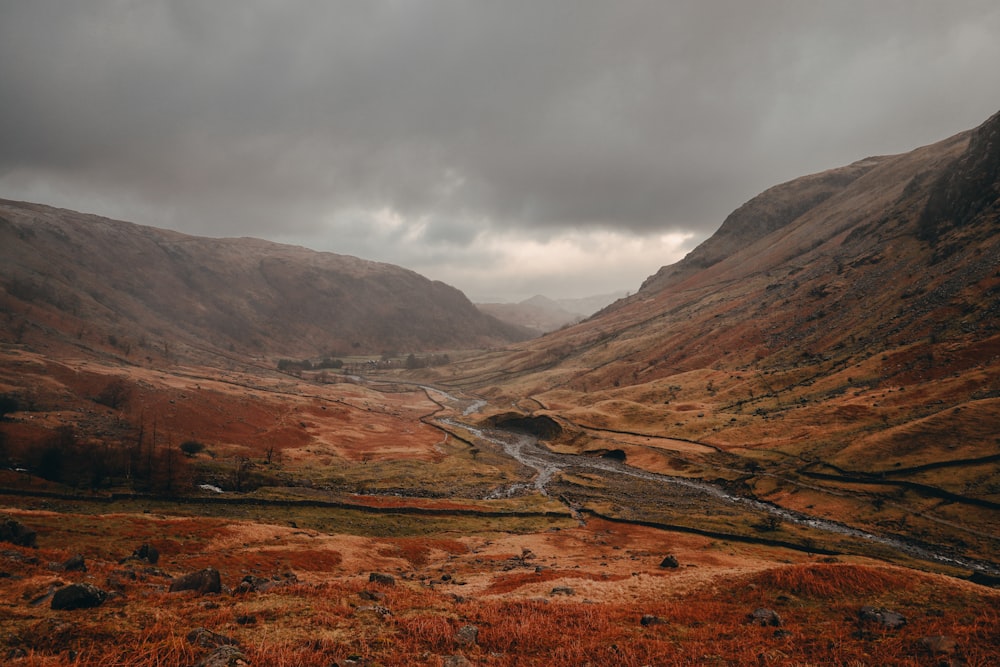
pixel 143 464
pixel 292 365
pixel 413 361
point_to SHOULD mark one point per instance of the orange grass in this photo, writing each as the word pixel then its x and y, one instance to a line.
pixel 322 619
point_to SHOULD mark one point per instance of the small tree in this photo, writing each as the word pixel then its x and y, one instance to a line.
pixel 114 394
pixel 191 448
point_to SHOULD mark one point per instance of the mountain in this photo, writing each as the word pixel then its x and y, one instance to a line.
pixel 845 324
pixel 540 314
pixel 90 282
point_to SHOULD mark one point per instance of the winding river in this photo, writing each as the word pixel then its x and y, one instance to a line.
pixel 526 450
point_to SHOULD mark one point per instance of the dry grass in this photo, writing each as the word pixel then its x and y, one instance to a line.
pixel 319 617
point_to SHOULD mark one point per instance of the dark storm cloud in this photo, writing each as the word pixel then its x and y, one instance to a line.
pixel 302 118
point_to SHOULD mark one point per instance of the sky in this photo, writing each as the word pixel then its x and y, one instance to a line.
pixel 559 147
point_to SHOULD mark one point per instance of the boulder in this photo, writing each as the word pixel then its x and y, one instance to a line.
pixel 384 579
pixel 148 553
pixel 71 564
pixel 562 590
pixel 78 596
pixel 886 618
pixel 467 635
pixel 15 532
pixel 202 581
pixel 764 617
pixel 669 562
pixel 650 619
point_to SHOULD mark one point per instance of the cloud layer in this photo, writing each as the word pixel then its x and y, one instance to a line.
pixel 509 148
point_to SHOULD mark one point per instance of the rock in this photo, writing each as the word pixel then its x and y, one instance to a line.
pixel 376 608
pixel 252 584
pixel 375 596
pixel 456 661
pixel 15 532
pixel 203 581
pixel 224 656
pixel 78 596
pixel 467 635
pixel 562 590
pixel 885 617
pixel 669 562
pixel 384 579
pixel 764 617
pixel 650 619
pixel 205 638
pixel 940 644
pixel 148 553
pixel 74 564
pixel 246 619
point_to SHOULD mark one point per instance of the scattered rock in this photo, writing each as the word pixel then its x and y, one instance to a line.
pixel 384 579
pixel 467 635
pixel 72 564
pixel 650 619
pixel 78 596
pixel 885 617
pixel 224 656
pixel 562 590
pixel 15 532
pixel 18 557
pixel 764 617
pixel 146 552
pixel 205 638
pixel 376 608
pixel 203 581
pixel 670 562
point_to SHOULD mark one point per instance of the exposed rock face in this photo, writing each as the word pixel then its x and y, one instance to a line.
pixel 78 596
pixel 969 188
pixel 203 581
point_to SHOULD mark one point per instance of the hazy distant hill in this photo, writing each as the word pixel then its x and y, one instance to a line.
pixel 91 282
pixel 541 314
pixel 855 312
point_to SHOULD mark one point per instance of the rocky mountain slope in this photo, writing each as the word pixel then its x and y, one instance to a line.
pixel 844 324
pixel 71 278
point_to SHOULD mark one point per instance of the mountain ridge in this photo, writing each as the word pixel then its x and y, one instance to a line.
pixel 131 281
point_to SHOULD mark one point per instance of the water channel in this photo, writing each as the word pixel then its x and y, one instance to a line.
pixel 526 450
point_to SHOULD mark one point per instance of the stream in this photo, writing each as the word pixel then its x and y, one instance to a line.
pixel 526 450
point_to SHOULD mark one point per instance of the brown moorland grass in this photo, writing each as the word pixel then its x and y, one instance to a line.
pixel 321 618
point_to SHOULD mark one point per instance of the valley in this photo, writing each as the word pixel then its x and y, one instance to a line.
pixel 782 449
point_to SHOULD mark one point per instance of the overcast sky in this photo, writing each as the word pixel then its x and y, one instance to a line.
pixel 509 148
